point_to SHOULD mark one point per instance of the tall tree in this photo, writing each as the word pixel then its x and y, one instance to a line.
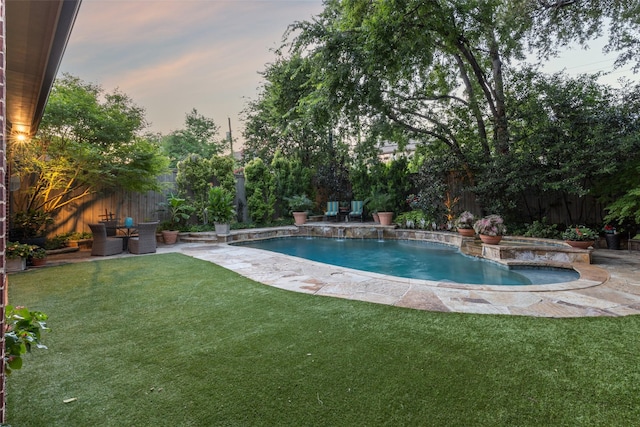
pixel 88 141
pixel 439 71
pixel 198 137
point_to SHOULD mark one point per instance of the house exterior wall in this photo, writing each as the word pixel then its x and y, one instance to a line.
pixel 3 202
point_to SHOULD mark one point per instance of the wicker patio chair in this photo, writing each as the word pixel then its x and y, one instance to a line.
pixel 145 243
pixel 103 245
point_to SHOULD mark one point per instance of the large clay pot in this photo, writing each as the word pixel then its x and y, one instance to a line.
pixel 170 236
pixel 466 232
pixel 375 217
pixel 580 244
pixel 38 262
pixel 490 240
pixel 385 218
pixel 300 218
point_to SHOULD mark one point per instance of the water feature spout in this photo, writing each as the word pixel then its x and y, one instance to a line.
pixel 340 234
pixel 380 235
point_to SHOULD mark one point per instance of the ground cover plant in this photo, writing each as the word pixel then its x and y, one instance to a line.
pixel 170 340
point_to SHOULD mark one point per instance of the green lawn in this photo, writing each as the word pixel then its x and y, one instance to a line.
pixel 167 340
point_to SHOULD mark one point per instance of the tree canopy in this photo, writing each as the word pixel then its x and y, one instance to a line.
pixel 451 76
pixel 88 141
pixel 198 137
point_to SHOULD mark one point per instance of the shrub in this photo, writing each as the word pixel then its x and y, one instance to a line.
pixel 543 230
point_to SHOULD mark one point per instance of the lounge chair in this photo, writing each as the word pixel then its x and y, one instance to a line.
pixel 333 209
pixel 103 245
pixel 357 207
pixel 145 243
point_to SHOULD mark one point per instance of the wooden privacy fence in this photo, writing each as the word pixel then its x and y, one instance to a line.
pixel 117 205
pixel 149 207
pixel 142 207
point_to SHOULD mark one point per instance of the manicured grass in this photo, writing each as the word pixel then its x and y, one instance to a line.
pixel 168 340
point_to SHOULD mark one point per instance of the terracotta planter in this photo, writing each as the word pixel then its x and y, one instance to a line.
pixel 169 236
pixel 300 218
pixel 386 218
pixel 466 232
pixel 490 240
pixel 580 244
pixel 38 262
pixel 376 218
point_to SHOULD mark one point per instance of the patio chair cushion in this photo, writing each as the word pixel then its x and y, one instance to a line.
pixel 332 209
pixel 356 209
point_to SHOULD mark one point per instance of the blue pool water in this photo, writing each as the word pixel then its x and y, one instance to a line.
pixel 412 259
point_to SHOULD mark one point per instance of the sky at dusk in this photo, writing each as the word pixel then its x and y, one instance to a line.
pixel 171 56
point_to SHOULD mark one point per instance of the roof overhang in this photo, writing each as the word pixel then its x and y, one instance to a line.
pixel 37 32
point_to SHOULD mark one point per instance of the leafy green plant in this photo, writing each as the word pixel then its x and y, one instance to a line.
pixel 579 233
pixel 179 210
pixel 38 252
pixel 299 203
pixel 220 208
pixel 30 224
pixel 23 331
pixel 18 250
pixel 543 230
pixel 380 201
pixel 414 219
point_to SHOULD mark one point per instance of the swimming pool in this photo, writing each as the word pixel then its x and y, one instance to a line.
pixel 411 259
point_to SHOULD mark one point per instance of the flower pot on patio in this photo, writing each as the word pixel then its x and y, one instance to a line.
pixel 170 237
pixel 386 218
pixel 222 229
pixel 16 264
pixel 38 262
pixel 613 240
pixel 300 218
pixel 466 232
pixel 490 240
pixel 580 244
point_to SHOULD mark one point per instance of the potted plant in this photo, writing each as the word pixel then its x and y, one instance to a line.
pixel 299 206
pixel 74 238
pixel 491 228
pixel 221 209
pixel 381 205
pixel 612 236
pixel 17 254
pixel 178 210
pixel 38 256
pixel 579 236
pixel 464 224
